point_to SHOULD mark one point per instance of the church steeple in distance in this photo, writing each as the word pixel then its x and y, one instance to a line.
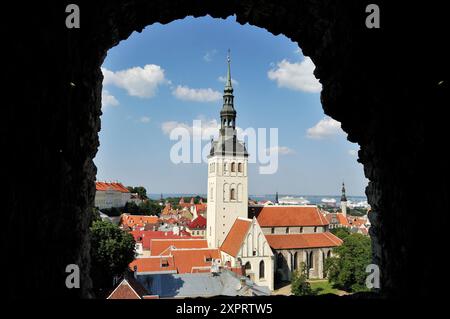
pixel 343 197
pixel 228 113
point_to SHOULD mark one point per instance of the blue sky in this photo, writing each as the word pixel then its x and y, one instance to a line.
pixel 169 75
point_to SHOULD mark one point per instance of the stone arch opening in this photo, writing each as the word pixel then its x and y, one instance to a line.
pixel 62 107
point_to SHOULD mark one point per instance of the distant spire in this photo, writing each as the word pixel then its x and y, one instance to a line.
pixel 343 197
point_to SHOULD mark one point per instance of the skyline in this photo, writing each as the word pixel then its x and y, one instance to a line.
pixel 149 92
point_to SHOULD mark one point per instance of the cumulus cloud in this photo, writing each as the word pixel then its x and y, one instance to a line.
pixel 223 79
pixel 296 76
pixel 209 55
pixel 144 119
pixel 198 95
pixel 108 99
pixel 137 81
pixel 202 128
pixel 326 127
pixel 280 150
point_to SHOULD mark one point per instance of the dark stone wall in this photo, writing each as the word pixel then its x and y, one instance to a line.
pixel 381 84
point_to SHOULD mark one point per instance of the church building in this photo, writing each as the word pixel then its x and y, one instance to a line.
pixel 266 242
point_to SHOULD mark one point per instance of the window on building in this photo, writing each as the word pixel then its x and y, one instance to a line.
pixel 233 167
pixel 295 260
pixel 225 167
pixel 261 269
pixel 311 260
pixel 287 230
pixel 280 260
pixel 232 194
pixel 272 230
pixel 254 252
pixel 315 229
pixel 301 229
pixel 240 167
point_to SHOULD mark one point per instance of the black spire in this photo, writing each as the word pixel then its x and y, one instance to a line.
pixel 228 113
pixel 343 197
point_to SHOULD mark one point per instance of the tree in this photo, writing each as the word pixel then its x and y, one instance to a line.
pixel 140 190
pixel 340 232
pixel 347 270
pixel 112 250
pixel 299 285
pixel 149 207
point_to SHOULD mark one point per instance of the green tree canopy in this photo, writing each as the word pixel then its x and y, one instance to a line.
pixel 340 232
pixel 112 250
pixel 347 270
pixel 299 285
pixel 140 190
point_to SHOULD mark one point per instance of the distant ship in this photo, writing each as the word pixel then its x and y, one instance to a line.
pixel 329 201
pixel 289 200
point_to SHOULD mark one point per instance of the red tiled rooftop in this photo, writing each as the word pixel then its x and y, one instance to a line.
pixel 277 216
pixel 159 246
pixel 294 241
pixel 198 223
pixel 235 237
pixel 145 236
pixel 194 260
pixel 104 186
pixel 137 220
pixel 153 264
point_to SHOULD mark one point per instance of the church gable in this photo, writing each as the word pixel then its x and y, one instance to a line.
pixel 255 243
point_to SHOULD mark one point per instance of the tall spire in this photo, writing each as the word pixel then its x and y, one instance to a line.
pixel 229 82
pixel 228 113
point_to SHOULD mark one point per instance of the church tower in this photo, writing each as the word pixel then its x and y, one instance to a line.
pixel 343 201
pixel 227 173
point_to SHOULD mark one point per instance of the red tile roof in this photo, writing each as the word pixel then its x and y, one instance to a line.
pixel 103 186
pixel 295 241
pixel 198 223
pixel 137 220
pixel 128 289
pixel 145 236
pixel 194 260
pixel 339 217
pixel 236 236
pixel 159 246
pixel 277 216
pixel 201 207
pixel 153 264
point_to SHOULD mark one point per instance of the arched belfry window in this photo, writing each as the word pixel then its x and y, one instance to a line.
pixel 240 167
pixel 233 167
pixel 261 269
pixel 232 194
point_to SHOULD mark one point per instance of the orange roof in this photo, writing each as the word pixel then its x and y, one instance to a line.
pixel 103 186
pixel 159 246
pixel 276 216
pixel 153 264
pixel 194 260
pixel 294 241
pixel 132 220
pixel 338 217
pixel 235 237
pixel 128 289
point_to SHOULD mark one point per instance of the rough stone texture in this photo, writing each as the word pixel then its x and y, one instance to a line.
pixel 381 84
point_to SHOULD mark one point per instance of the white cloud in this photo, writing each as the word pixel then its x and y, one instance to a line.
pixel 137 81
pixel 326 127
pixel 198 95
pixel 353 152
pixel 296 76
pixel 108 99
pixel 281 150
pixel 205 129
pixel 209 55
pixel 144 119
pixel 223 79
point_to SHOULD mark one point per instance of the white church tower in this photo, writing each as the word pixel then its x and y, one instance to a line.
pixel 227 174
